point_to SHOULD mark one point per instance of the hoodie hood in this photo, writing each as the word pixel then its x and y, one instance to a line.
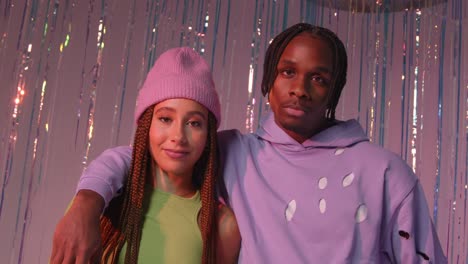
pixel 341 135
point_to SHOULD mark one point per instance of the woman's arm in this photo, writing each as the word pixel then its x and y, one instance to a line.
pixel 229 239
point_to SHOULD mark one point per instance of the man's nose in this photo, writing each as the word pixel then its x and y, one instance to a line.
pixel 300 87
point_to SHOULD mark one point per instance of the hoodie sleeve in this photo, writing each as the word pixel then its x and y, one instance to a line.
pixel 411 236
pixel 105 175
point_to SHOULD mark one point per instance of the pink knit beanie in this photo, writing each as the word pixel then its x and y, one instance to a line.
pixel 179 73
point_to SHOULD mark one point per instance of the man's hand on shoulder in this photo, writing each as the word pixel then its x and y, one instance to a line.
pixel 77 237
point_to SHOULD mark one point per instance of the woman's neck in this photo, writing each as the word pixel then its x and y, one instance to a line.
pixel 180 185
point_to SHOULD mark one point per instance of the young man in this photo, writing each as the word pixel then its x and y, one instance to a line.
pixel 305 188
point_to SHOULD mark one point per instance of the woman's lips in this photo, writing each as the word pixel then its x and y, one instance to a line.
pixel 175 154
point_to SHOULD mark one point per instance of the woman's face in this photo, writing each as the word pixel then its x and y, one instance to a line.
pixel 178 135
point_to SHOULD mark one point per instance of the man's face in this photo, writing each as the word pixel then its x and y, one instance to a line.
pixel 299 93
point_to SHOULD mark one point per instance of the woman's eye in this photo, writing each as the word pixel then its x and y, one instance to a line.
pixel 195 123
pixel 164 119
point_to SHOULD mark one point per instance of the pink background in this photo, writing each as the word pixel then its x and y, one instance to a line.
pixel 70 72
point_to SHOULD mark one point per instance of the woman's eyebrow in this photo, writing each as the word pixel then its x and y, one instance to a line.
pixel 165 108
pixel 199 113
pixel 173 110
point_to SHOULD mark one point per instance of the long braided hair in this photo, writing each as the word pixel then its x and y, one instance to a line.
pixel 122 221
pixel 340 60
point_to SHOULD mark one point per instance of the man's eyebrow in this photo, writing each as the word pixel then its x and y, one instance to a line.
pixel 287 62
pixel 322 69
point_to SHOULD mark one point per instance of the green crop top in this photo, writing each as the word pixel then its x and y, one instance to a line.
pixel 170 229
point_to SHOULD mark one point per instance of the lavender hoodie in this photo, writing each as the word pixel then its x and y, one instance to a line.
pixel 335 198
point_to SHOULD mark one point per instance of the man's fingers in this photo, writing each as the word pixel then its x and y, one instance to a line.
pixel 88 255
pixel 96 258
pixel 69 258
pixel 56 256
pixel 82 260
pixel 77 236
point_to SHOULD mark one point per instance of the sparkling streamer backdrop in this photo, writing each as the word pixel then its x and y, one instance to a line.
pixel 70 72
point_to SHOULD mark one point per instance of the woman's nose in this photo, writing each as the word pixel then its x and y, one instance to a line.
pixel 178 133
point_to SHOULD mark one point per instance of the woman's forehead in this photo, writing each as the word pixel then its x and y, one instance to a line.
pixel 180 105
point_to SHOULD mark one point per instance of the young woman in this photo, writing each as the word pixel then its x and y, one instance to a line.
pixel 168 211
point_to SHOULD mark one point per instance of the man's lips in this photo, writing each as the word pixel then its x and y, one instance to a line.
pixel 176 154
pixel 295 110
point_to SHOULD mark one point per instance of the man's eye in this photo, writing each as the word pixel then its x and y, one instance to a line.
pixel 287 72
pixel 319 80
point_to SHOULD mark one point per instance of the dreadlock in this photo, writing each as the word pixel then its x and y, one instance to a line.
pixel 122 221
pixel 340 60
pixel 206 172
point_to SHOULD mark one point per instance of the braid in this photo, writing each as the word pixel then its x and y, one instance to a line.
pixel 209 161
pixel 340 60
pixel 121 222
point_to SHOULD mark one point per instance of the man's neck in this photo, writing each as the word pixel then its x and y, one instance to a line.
pixel 301 136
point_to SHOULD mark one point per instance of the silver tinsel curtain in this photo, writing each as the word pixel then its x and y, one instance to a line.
pixel 70 71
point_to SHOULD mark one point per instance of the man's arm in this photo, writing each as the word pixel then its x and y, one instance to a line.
pixel 77 237
pixel 412 237
pixel 106 174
